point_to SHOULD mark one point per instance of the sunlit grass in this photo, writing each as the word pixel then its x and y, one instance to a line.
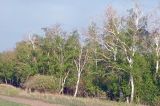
pixel 71 101
pixel 58 99
pixel 9 90
pixel 8 103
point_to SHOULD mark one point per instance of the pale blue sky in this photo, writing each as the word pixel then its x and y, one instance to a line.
pixel 19 17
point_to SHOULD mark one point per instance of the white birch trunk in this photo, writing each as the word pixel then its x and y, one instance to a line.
pixel 132 88
pixel 157 53
pixel 32 40
pixel 131 80
pixel 80 66
pixel 63 83
pixel 157 66
pixel 115 54
pixel 77 84
pixel 127 99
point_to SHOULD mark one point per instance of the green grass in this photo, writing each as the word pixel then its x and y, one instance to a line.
pixel 9 90
pixel 8 103
pixel 71 101
pixel 58 99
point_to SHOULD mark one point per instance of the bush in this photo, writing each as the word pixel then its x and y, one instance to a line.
pixel 157 101
pixel 41 83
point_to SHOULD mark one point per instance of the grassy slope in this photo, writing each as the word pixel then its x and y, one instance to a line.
pixel 8 103
pixel 58 99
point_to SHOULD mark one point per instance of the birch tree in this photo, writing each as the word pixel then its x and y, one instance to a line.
pixel 108 38
pixel 70 52
pixel 156 47
pixel 132 24
pixel 130 49
pixel 155 36
pixel 59 52
pixel 80 63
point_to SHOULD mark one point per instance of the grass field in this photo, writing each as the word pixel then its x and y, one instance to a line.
pixel 71 101
pixel 8 103
pixel 57 99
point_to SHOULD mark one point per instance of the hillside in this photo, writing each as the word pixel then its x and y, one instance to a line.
pixel 39 99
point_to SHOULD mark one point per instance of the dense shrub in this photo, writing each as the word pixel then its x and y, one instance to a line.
pixel 41 83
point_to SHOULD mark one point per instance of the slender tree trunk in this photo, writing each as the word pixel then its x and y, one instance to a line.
pixel 60 82
pixel 127 99
pixel 131 80
pixel 64 82
pixel 62 89
pixel 120 90
pixel 157 66
pixel 157 53
pixel 77 84
pixel 5 80
pixel 80 66
pixel 95 51
pixel 115 54
pixel 132 88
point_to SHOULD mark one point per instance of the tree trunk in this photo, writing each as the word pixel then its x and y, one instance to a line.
pixel 127 99
pixel 62 88
pixel 60 82
pixel 77 84
pixel 131 79
pixel 115 54
pixel 120 90
pixel 63 83
pixel 157 66
pixel 132 88
pixel 5 80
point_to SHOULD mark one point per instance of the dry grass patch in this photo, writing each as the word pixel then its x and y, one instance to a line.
pixel 59 99
pixel 9 90
pixel 71 101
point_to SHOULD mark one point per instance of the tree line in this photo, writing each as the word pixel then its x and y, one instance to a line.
pixel 118 60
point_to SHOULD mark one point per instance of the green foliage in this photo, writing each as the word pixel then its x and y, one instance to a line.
pixel 145 87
